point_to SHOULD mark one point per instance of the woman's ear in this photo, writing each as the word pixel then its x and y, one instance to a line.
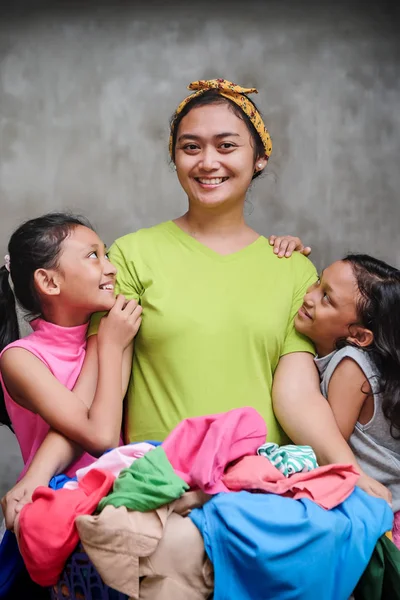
pixel 47 282
pixel 260 164
pixel 360 336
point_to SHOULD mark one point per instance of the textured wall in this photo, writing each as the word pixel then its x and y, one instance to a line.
pixel 86 94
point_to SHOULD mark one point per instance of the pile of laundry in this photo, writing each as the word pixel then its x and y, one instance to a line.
pixel 274 523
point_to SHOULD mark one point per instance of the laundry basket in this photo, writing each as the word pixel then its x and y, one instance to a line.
pixel 81 581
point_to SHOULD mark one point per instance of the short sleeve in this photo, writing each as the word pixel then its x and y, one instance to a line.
pixel 127 282
pixel 305 275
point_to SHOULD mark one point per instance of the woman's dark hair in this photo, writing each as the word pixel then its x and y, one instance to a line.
pixel 213 97
pixel 378 309
pixel 36 244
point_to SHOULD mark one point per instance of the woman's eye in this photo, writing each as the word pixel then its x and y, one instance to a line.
pixel 107 256
pixel 227 146
pixel 326 297
pixel 190 147
pixel 93 254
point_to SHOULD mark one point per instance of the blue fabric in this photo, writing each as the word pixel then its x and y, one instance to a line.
pixel 11 562
pixel 266 546
pixel 58 481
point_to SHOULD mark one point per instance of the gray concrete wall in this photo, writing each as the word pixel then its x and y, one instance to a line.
pixel 86 91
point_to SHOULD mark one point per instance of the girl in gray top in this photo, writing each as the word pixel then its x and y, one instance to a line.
pixel 352 314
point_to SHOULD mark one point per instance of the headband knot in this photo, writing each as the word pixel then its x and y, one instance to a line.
pixel 220 84
pixel 236 94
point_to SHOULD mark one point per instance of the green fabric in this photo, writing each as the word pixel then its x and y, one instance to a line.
pixel 289 459
pixel 381 579
pixel 148 483
pixel 213 329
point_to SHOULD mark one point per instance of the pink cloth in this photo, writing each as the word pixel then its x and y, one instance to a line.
pixel 46 529
pixel 199 449
pixel 113 461
pixel 62 350
pixel 396 529
pixel 327 486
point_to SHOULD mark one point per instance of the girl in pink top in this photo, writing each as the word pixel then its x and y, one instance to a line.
pixel 61 274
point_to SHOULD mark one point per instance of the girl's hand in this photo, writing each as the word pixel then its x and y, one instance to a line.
pixel 21 494
pixel 121 324
pixel 285 245
pixel 374 488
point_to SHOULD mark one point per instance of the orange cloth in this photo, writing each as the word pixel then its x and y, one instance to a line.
pixel 327 486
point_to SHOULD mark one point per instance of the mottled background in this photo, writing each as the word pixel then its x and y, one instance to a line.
pixel 87 88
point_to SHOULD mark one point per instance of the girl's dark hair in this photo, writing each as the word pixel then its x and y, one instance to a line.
pixel 213 97
pixel 36 244
pixel 378 309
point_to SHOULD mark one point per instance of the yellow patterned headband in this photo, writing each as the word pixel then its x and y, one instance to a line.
pixel 236 94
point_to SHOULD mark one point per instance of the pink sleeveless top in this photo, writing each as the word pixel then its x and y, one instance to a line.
pixel 62 350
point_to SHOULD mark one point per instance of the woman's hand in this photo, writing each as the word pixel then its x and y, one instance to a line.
pixel 285 245
pixel 374 488
pixel 121 324
pixel 21 494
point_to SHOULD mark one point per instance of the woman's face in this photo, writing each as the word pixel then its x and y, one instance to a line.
pixel 214 156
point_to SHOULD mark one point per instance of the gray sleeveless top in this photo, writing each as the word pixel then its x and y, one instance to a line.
pixel 377 452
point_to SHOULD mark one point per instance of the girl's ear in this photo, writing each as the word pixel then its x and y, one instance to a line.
pixel 47 282
pixel 360 336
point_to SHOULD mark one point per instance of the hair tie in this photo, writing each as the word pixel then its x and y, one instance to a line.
pixel 235 93
pixel 7 262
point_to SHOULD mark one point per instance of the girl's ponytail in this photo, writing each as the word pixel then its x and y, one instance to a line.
pixel 8 329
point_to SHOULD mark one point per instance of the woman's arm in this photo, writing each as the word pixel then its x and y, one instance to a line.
pixel 307 418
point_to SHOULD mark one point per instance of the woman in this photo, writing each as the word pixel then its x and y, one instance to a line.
pixel 218 305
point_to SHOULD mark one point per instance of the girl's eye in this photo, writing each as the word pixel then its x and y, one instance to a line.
pixel 107 256
pixel 93 254
pixel 326 297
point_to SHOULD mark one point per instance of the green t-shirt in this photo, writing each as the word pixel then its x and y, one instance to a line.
pixel 213 328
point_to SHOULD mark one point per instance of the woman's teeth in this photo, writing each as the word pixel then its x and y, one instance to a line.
pixel 213 181
pixel 108 286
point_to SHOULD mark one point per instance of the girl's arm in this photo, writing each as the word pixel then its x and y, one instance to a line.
pixel 33 386
pixel 307 418
pixel 347 393
pixel 57 452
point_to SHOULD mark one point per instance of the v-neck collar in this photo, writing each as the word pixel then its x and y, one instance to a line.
pixel 190 241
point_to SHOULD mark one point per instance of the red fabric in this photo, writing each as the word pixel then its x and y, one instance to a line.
pixel 396 529
pixel 199 449
pixel 327 486
pixel 47 534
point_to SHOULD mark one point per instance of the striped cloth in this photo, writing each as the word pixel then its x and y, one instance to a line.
pixel 289 459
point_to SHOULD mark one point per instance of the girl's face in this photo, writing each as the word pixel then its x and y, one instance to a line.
pixel 214 156
pixel 85 275
pixel 329 307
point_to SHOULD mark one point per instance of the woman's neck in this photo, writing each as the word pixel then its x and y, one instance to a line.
pixel 213 222
pixel 224 232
